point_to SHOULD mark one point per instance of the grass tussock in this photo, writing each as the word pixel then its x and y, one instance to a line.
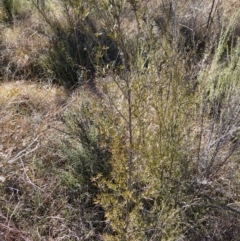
pixel 26 117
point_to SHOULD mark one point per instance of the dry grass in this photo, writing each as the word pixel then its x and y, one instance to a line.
pixel 27 109
pixel 29 113
pixel 22 45
pixel 35 178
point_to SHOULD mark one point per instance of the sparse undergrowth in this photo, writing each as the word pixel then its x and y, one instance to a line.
pixel 30 195
pixel 147 146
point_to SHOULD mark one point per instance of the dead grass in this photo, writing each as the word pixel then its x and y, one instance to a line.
pixel 27 110
pixel 34 196
pixel 22 45
pixel 32 205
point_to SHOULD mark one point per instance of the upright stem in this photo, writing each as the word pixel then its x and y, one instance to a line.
pixel 130 156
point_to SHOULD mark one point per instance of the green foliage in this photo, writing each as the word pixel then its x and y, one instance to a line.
pixel 13 9
pixel 149 165
pixel 163 171
pixel 8 9
pixel 87 157
pixel 79 46
pixel 224 68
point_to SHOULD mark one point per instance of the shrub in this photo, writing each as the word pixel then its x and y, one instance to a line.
pixel 14 10
pixel 8 9
pixel 79 45
pixel 87 157
pixel 170 160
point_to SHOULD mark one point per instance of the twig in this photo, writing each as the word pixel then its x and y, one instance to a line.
pixel 25 151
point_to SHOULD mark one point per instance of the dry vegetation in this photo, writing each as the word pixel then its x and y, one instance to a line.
pixel 119 120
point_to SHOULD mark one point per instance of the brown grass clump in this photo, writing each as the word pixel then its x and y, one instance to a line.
pixel 22 47
pixel 28 112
